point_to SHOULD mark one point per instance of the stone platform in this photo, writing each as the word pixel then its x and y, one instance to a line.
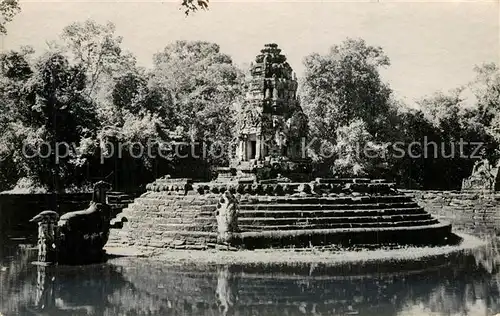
pixel 179 214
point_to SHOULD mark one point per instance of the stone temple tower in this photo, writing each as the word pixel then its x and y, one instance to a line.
pixel 281 206
pixel 272 126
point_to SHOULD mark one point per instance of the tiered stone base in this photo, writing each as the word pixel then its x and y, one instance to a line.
pixel 177 214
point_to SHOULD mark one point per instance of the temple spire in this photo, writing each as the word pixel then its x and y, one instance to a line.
pixel 270 114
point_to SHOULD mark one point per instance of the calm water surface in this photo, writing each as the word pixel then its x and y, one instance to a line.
pixel 468 284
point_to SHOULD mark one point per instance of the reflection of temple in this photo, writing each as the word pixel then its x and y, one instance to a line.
pixel 272 125
pixel 449 285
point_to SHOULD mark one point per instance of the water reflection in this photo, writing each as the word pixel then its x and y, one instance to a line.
pixel 458 285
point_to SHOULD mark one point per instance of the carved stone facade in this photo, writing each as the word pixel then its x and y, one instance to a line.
pixel 484 178
pixel 272 126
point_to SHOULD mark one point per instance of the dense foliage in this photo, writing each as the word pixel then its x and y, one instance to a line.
pixel 88 93
pixel 354 112
pixel 8 9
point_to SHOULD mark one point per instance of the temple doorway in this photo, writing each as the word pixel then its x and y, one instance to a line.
pixel 253 149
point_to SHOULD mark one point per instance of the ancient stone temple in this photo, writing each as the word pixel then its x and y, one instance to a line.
pixel 266 198
pixel 272 126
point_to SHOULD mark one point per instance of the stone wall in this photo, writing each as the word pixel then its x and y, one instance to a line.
pixel 17 209
pixel 470 212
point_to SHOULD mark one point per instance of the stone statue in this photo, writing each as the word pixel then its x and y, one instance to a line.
pixel 268 90
pixel 483 177
pixel 267 65
pixel 83 234
pixel 293 88
pixel 285 87
pixel 78 237
pixel 280 84
pixel 227 218
pixel 276 89
pixel 280 133
pixel 47 236
pixel 274 68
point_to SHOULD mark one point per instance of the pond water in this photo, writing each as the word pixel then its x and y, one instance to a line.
pixel 468 284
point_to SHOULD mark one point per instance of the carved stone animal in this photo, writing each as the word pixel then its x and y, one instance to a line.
pixel 227 218
pixel 83 234
pixel 78 237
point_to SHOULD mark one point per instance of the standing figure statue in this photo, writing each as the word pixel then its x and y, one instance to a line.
pixel 47 236
pixel 275 87
pixel 267 65
pixel 268 89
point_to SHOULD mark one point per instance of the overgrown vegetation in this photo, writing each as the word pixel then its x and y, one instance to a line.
pixel 87 91
pixel 350 109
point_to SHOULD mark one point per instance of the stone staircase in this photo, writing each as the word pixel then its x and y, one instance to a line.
pixel 340 220
pixel 175 213
pixel 311 213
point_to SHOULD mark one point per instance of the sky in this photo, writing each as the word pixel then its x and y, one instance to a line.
pixel 432 45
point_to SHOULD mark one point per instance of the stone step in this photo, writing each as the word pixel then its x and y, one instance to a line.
pixel 153 214
pixel 136 207
pixel 247 228
pixel 327 200
pixel 174 220
pixel 328 213
pixel 268 220
pixel 344 225
pixel 299 221
pixel 346 180
pixel 332 207
pixel 187 227
pixel 433 233
pixel 170 201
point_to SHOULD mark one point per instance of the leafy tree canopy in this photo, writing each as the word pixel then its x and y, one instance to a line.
pixel 345 85
pixel 8 9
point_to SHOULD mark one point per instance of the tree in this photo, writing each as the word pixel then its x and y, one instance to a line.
pixel 344 86
pixel 14 72
pixel 194 5
pixel 356 153
pixel 53 110
pixel 141 118
pixel 449 128
pixel 98 50
pixel 203 84
pixel 8 9
pixel 485 89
